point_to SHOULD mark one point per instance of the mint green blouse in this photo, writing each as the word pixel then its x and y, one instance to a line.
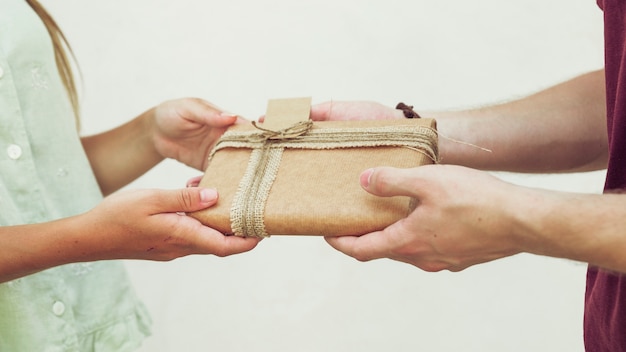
pixel 45 175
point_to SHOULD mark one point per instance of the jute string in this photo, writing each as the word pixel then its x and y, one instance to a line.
pixel 247 210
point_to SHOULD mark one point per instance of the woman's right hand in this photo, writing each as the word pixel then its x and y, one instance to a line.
pixel 151 224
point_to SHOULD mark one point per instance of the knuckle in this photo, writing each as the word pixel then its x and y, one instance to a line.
pixel 455 269
pixel 382 181
pixel 219 248
pixel 432 267
pixel 186 199
pixel 167 257
pixel 221 252
pixel 361 257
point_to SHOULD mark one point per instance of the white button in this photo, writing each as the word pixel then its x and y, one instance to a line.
pixel 14 151
pixel 1 72
pixel 58 308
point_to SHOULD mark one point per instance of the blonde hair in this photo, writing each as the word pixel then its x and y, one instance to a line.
pixel 62 53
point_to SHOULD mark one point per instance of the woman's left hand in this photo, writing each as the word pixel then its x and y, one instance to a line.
pixel 187 129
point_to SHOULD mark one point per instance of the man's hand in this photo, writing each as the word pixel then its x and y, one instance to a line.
pixel 356 110
pixel 463 217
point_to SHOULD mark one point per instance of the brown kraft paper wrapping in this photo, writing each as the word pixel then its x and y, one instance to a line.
pixel 314 191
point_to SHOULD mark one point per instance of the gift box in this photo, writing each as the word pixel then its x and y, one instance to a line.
pixel 293 176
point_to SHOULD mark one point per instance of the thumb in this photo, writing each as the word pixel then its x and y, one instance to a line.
pixel 389 182
pixel 187 199
pixel 209 113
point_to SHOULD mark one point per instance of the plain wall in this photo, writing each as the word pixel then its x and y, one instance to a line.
pixel 298 294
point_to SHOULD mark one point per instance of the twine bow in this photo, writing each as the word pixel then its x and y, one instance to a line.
pixel 292 131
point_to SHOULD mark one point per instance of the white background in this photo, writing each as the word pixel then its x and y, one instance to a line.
pixel 298 294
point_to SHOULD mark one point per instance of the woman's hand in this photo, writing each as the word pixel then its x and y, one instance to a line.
pixel 183 129
pixel 187 129
pixel 137 224
pixel 151 224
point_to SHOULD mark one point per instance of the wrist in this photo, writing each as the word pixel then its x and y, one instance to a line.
pixel 148 136
pixel 544 226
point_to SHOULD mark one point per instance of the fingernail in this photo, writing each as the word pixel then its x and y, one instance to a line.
pixel 208 195
pixel 366 177
pixel 227 114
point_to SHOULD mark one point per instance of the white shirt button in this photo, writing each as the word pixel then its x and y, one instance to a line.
pixel 58 308
pixel 14 151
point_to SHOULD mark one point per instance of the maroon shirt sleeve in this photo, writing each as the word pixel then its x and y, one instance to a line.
pixel 605 298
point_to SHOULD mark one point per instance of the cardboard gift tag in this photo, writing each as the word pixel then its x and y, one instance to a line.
pixel 293 176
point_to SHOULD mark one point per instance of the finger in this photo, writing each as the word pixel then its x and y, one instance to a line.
pixel 321 112
pixel 363 248
pixel 223 246
pixel 390 181
pixel 184 200
pixel 194 181
pixel 210 241
pixel 202 239
pixel 381 244
pixel 240 120
pixel 209 114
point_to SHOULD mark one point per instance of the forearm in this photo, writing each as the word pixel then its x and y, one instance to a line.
pixel 27 249
pixel 119 156
pixel 559 129
pixel 133 224
pixel 582 227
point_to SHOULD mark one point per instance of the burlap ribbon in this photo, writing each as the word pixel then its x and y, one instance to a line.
pixel 247 209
